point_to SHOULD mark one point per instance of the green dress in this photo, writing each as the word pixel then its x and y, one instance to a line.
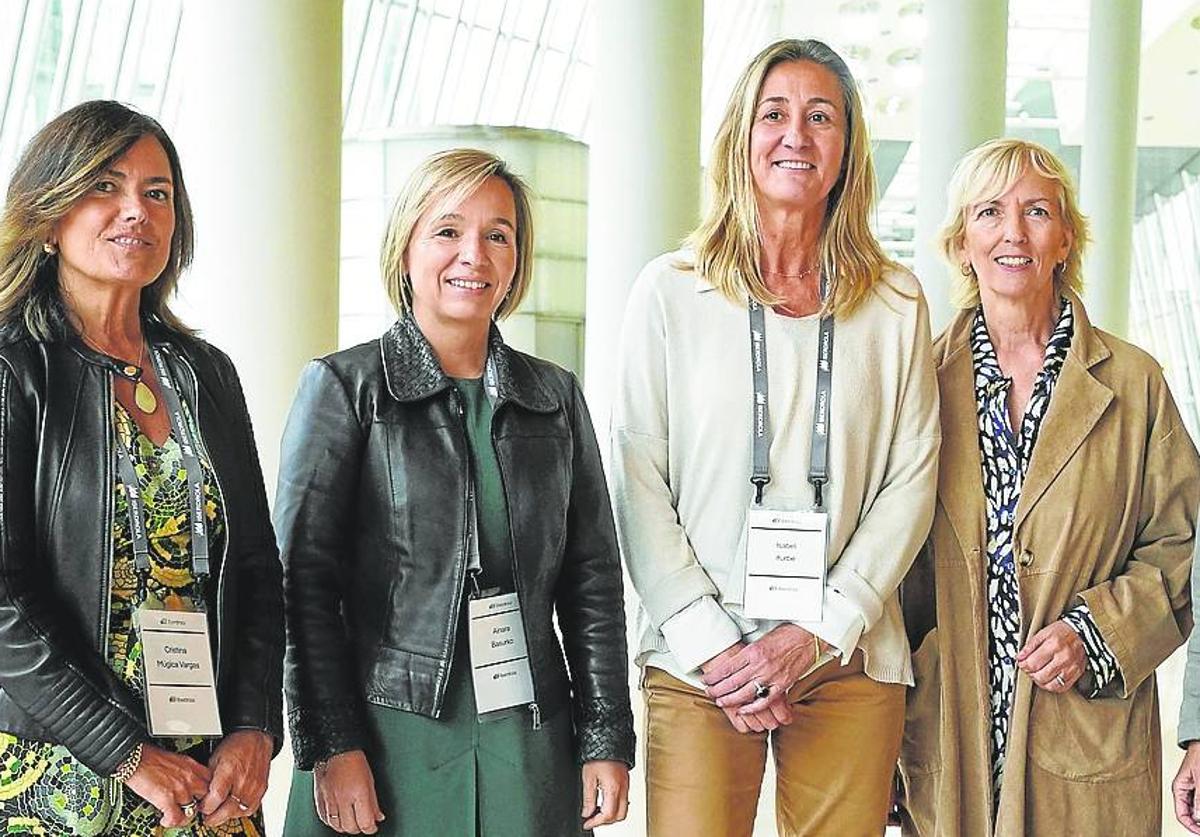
pixel 43 788
pixel 461 775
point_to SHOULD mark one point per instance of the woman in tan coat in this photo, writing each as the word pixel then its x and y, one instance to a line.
pixel 1056 575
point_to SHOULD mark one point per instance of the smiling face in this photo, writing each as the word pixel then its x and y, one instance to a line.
pixel 461 260
pixel 798 137
pixel 120 232
pixel 1014 241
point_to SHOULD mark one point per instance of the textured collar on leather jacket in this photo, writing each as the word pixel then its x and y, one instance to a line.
pixel 413 372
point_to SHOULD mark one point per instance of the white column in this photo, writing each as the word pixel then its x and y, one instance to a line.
pixel 644 179
pixel 1108 164
pixel 962 104
pixel 260 140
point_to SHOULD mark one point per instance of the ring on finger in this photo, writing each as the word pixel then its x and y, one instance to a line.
pixel 334 817
pixel 1058 678
pixel 189 810
pixel 241 805
pixel 761 690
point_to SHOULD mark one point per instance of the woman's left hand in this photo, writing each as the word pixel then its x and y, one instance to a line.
pixel 1054 657
pixel 239 766
pixel 611 780
pixel 776 660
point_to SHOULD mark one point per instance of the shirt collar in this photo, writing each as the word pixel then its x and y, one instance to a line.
pixel 987 367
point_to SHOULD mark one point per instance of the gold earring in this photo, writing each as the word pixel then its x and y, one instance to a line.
pixel 49 248
pixel 966 269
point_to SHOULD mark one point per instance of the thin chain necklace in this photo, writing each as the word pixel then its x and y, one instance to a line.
pixel 799 275
pixel 143 396
pixel 781 307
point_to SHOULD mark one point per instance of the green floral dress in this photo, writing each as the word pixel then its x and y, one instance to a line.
pixel 43 788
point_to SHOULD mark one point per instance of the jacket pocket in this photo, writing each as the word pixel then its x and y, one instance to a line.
pixel 920 752
pixel 1091 740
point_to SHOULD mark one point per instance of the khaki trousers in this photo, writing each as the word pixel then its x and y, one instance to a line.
pixel 834 763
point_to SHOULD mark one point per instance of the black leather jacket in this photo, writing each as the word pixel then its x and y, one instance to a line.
pixel 371 516
pixel 57 473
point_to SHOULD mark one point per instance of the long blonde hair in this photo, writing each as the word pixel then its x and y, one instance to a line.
pixel 985 173
pixel 447 179
pixel 727 244
pixel 60 165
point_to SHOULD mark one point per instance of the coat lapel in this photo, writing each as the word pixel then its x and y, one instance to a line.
pixel 960 480
pixel 1078 402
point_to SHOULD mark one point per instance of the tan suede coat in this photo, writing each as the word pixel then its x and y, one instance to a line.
pixel 1107 514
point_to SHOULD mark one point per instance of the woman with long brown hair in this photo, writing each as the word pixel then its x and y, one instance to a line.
pixel 141 607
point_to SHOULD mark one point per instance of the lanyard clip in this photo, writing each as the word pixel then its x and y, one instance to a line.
pixel 476 593
pixel 818 492
pixel 760 484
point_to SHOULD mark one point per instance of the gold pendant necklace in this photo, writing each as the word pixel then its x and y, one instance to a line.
pixel 143 396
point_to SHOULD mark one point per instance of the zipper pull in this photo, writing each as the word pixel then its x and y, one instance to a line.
pixel 537 715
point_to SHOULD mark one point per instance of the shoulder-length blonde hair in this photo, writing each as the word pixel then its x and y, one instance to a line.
pixel 985 173
pixel 60 165
pixel 445 180
pixel 727 244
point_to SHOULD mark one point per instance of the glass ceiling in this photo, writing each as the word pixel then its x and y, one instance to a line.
pixel 413 63
pixel 467 62
pixel 56 53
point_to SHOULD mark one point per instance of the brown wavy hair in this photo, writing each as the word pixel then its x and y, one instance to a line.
pixel 60 165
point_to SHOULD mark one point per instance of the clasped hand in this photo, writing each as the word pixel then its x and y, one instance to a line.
pixel 776 660
pixel 231 786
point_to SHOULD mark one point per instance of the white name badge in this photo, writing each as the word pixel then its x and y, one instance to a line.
pixel 181 690
pixel 785 564
pixel 499 658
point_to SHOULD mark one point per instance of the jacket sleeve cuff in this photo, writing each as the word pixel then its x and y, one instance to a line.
pixel 699 632
pixel 1102 667
pixel 841 624
pixel 1189 731
pixel 677 591
pixel 321 732
pixel 604 731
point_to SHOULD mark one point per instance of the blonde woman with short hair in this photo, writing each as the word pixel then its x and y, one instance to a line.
pixel 441 504
pixel 774 447
pixel 1056 575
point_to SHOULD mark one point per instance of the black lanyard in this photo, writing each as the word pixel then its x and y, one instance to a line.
pixel 195 481
pixel 818 469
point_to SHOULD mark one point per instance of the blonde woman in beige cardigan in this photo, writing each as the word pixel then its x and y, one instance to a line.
pixel 821 679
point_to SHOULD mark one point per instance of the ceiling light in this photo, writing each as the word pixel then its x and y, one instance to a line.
pixel 913 24
pixel 859 19
pixel 907 62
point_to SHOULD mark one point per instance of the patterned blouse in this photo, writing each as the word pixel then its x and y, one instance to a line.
pixel 1005 460
pixel 43 788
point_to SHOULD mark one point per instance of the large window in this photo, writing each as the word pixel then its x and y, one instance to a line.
pixel 55 53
